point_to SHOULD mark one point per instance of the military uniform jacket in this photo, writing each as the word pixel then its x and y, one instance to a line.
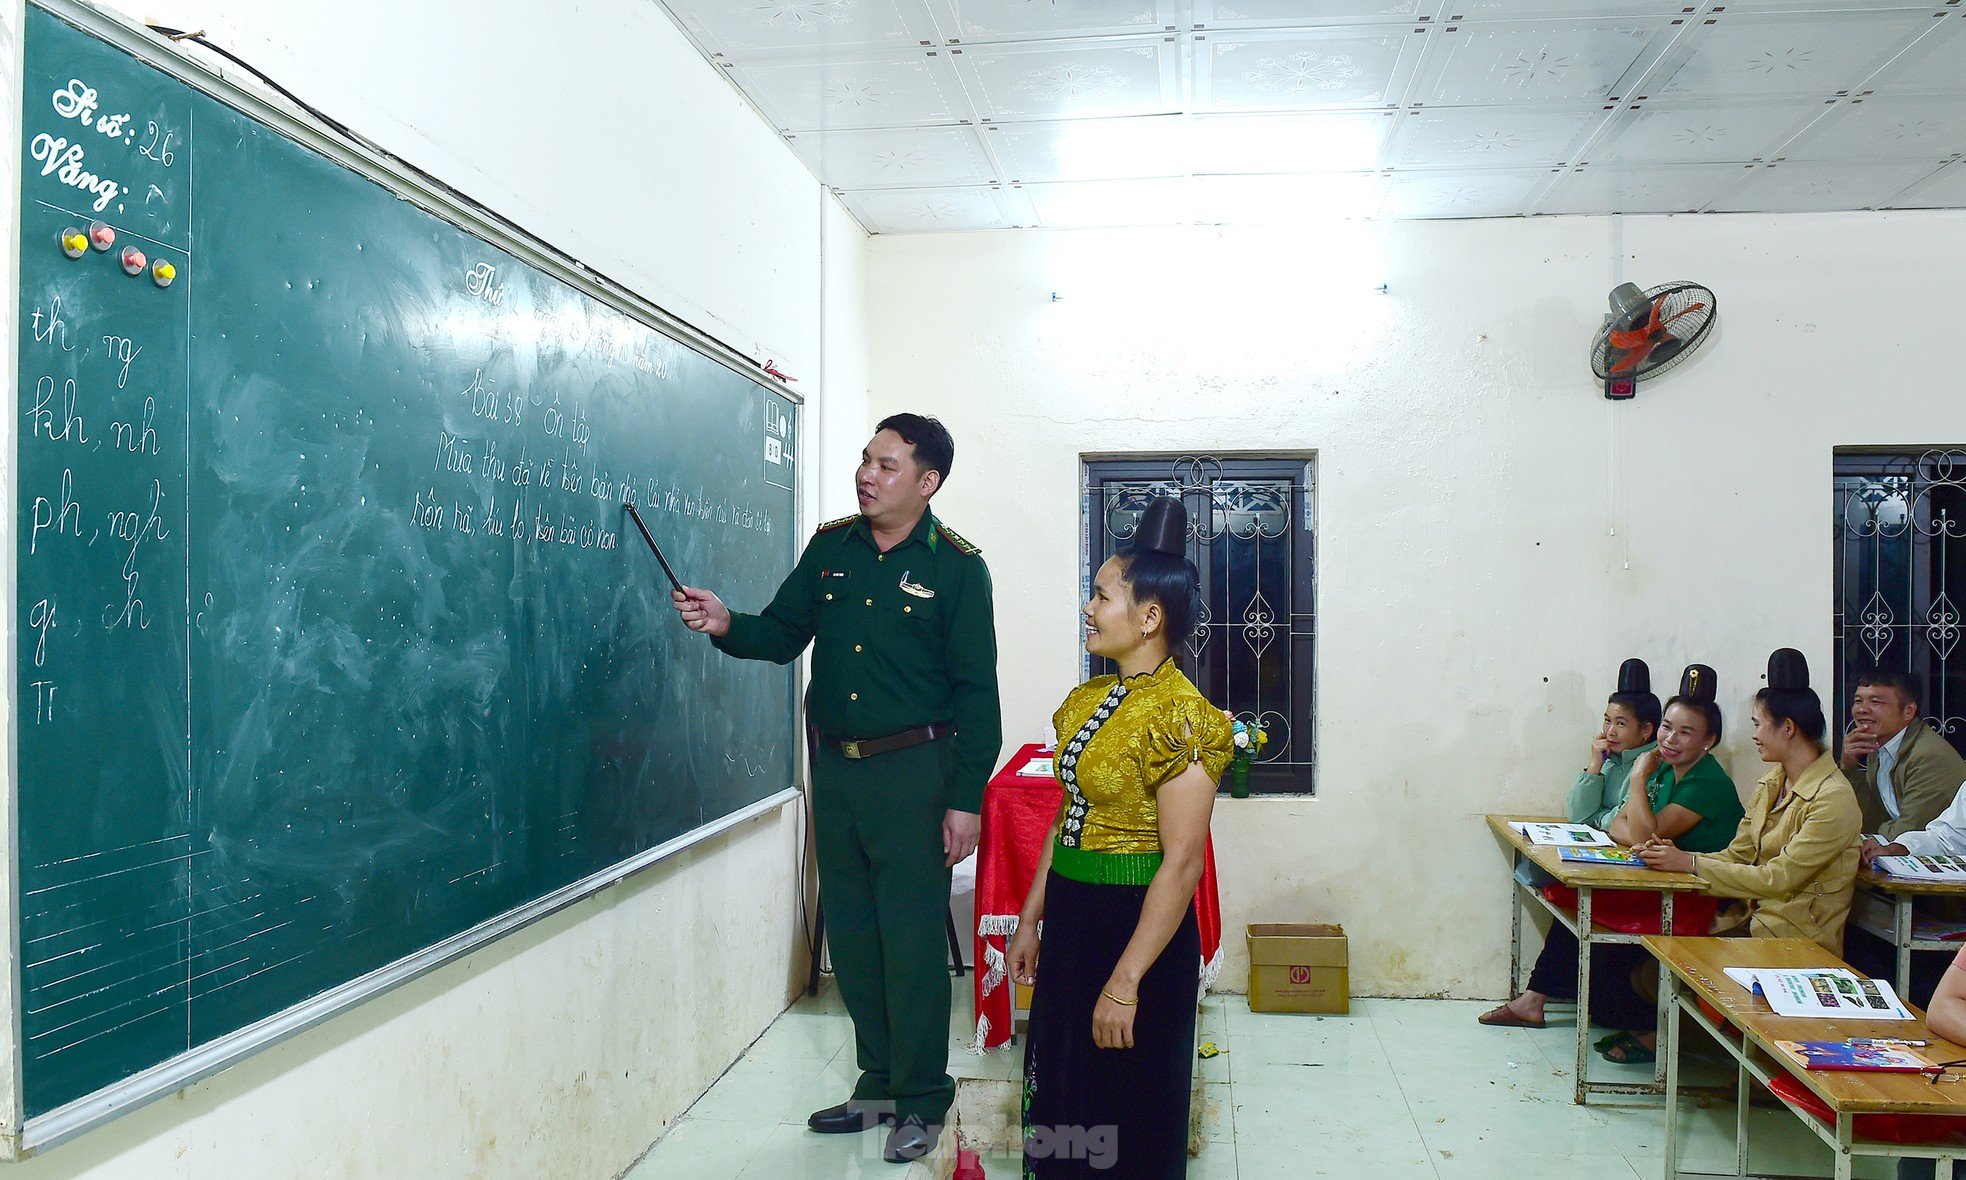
pixel 900 639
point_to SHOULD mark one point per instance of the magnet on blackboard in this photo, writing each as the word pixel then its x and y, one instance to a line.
pixel 101 235
pixel 134 261
pixel 162 273
pixel 74 242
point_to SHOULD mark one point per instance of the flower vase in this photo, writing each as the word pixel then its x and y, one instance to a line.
pixel 1239 779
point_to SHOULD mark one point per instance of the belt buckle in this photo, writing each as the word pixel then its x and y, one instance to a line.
pixel 850 749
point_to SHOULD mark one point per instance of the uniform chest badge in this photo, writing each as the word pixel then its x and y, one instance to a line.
pixel 915 588
pixel 832 573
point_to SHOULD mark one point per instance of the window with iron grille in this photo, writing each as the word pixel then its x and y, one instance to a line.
pixel 1251 533
pixel 1900 535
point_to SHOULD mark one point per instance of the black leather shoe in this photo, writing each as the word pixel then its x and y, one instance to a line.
pixel 850 1117
pixel 911 1139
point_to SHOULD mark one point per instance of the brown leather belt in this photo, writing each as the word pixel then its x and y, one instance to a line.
pixel 872 747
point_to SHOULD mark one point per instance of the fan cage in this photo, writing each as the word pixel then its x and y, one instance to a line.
pixel 1689 330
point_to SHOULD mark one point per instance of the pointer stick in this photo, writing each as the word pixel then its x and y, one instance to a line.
pixel 653 548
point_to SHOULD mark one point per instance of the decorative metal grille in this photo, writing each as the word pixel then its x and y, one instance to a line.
pixel 1900 559
pixel 1251 534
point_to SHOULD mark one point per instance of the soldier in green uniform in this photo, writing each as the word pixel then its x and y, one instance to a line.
pixel 904 700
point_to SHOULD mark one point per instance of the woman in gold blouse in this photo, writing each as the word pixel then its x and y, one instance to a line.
pixel 1107 1062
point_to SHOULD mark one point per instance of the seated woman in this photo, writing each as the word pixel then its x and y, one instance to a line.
pixel 1683 780
pixel 1794 860
pixel 1631 722
pixel 1686 796
pixel 1108 1062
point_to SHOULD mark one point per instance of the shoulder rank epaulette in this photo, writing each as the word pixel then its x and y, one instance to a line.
pixel 963 547
pixel 842 522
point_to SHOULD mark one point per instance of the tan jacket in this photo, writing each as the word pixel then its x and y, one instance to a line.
pixel 1927 776
pixel 1796 860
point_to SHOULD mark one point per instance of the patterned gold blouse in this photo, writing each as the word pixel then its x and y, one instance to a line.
pixel 1122 740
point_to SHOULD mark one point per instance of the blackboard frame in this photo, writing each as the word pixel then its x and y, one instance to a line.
pixel 20 1137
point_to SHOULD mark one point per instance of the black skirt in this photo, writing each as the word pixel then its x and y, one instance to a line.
pixel 1107 1112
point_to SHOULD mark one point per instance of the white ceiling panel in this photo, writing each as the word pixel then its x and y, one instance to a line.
pixel 1312 142
pixel 848 92
pixel 1287 200
pixel 1821 188
pixel 1936 62
pixel 896 157
pixel 1945 190
pixel 1664 188
pixel 1111 202
pixel 1739 131
pixel 1310 70
pixel 1736 6
pixel 1071 79
pixel 929 210
pixel 970 21
pixel 1538 62
pixel 1288 14
pixel 741 30
pixel 1462 193
pixel 1815 54
pixel 1492 137
pixel 1091 149
pixel 977 114
pixel 1473 10
pixel 1887 128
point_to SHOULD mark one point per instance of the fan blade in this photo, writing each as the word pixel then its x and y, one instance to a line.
pixel 1689 309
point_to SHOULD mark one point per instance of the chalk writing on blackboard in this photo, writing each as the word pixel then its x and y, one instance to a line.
pixel 53 327
pixel 480 282
pixel 121 352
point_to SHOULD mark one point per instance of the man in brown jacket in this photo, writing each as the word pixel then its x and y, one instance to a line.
pixel 1904 773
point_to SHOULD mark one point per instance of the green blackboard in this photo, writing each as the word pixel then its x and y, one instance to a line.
pixel 335 645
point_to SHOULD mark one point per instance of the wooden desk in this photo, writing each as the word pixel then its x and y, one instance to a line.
pixel 1900 895
pixel 1695 970
pixel 1584 879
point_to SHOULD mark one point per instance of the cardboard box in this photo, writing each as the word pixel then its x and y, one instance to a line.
pixel 1298 968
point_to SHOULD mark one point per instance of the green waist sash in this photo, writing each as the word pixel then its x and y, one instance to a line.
pixel 1104 868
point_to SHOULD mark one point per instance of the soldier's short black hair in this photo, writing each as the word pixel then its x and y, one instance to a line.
pixel 934 449
pixel 1890 678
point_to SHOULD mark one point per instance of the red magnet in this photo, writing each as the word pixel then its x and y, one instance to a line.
pixel 133 260
pixel 101 235
pixel 74 242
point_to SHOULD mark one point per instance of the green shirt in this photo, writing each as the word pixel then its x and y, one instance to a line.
pixel 1595 798
pixel 1707 792
pixel 900 640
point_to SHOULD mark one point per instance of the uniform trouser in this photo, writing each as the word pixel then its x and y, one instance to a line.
pixel 877 826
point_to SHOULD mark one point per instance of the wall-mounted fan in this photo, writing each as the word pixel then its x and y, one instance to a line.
pixel 1649 332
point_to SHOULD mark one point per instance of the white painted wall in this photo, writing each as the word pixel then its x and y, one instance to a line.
pixel 566 1049
pixel 1493 535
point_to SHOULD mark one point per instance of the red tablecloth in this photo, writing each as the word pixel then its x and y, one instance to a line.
pixel 1017 812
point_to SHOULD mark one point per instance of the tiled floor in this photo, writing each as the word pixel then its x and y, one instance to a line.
pixel 1397 1089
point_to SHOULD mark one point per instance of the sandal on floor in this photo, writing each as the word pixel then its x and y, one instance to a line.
pixel 1502 1017
pixel 1629 1049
